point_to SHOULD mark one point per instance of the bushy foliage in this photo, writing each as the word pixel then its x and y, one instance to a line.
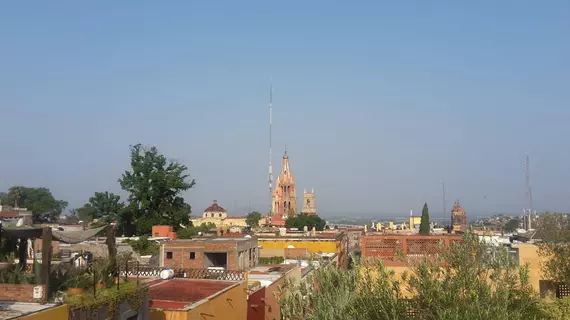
pixel 554 229
pixel 143 246
pixel 191 231
pixel 301 221
pixel 468 281
pixel 253 218
pixel 271 260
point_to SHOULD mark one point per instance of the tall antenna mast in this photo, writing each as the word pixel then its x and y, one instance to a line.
pixel 527 181
pixel 270 166
pixel 528 189
pixel 443 197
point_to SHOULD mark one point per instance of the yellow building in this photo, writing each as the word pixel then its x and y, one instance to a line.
pixel 188 299
pixel 324 243
pixel 217 215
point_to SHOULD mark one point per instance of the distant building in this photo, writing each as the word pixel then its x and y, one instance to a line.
pixel 458 218
pixel 11 215
pixel 164 231
pixel 230 253
pixel 217 215
pixel 309 205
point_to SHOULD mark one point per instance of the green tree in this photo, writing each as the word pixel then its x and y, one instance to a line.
pixel 44 207
pixel 102 205
pixel 155 185
pixel 424 224
pixel 301 221
pixel 554 231
pixel 86 212
pixel 107 205
pixel 253 218
pixel 512 225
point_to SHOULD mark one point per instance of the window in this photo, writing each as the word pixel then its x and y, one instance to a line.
pixel 220 215
pixel 192 255
pixel 169 255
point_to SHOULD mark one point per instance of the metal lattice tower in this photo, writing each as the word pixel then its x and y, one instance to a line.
pixel 443 196
pixel 528 189
pixel 270 166
pixel 527 181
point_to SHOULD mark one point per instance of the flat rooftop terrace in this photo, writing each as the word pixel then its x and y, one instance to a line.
pixel 13 310
pixel 184 293
pixel 213 239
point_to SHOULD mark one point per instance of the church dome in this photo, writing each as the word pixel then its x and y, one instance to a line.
pixel 215 207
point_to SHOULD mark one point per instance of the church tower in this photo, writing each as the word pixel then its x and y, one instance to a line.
pixel 458 218
pixel 309 205
pixel 284 202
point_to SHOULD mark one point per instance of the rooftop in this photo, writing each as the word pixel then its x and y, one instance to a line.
pixel 267 274
pixel 213 239
pixel 184 293
pixel 12 310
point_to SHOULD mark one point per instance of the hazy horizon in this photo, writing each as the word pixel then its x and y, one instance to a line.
pixel 377 102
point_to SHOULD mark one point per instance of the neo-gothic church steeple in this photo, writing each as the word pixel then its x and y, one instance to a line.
pixel 284 202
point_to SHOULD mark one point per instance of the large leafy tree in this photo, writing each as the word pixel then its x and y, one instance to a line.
pixel 301 221
pixel 40 201
pixel 253 218
pixel 512 225
pixel 102 205
pixel 155 185
pixel 424 223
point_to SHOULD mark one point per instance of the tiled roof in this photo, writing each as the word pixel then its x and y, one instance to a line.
pixel 215 207
pixel 9 215
pixel 178 293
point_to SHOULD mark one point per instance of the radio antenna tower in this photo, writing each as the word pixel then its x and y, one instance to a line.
pixel 270 166
pixel 443 197
pixel 528 189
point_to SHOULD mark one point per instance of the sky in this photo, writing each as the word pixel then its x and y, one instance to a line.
pixel 377 102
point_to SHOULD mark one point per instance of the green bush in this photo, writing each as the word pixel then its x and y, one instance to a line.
pixel 271 260
pixel 475 282
pixel 143 246
pixel 130 292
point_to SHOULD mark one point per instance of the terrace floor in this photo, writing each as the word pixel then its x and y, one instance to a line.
pixel 11 310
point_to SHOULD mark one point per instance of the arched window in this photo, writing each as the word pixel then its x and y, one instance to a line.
pixel 212 215
pixel 220 215
pixel 285 205
pixel 308 202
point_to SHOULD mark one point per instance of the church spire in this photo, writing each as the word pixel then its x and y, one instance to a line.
pixel 285 169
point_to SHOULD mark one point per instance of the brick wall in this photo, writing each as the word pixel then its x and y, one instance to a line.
pixel 190 254
pixel 18 292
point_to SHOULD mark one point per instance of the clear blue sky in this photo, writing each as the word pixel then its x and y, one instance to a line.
pixel 377 101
